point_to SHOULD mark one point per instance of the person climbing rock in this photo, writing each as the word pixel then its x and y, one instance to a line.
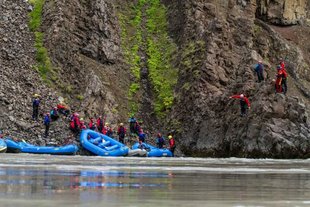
pixel 100 123
pixel 279 78
pixel 121 132
pixel 171 144
pixel 54 114
pixel 92 124
pixel 132 123
pixel 244 103
pixel 63 109
pixel 35 107
pixel 259 69
pixel 284 79
pixel 160 141
pixel 47 122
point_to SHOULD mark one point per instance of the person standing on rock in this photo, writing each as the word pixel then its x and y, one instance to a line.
pixel 244 103
pixel 92 124
pixel 259 69
pixel 121 132
pixel 132 123
pixel 82 124
pixel 47 122
pixel 160 141
pixel 75 124
pixel 35 107
pixel 100 124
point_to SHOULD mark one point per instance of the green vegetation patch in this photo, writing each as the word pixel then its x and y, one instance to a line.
pixel 160 50
pixel 44 65
pixel 131 37
pixel 149 16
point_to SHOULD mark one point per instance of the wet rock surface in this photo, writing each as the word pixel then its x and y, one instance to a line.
pixel 282 12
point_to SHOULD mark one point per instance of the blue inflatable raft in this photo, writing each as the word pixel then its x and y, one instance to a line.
pixel 154 151
pixel 101 144
pixel 29 148
pixel 3 146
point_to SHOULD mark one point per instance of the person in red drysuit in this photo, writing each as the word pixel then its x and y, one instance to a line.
pixel 284 76
pixel 92 124
pixel 75 123
pixel 279 76
pixel 171 144
pixel 244 103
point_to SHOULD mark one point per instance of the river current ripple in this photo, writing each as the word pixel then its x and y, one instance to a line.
pixel 44 180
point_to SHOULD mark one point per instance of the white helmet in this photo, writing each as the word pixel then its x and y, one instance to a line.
pixel 241 96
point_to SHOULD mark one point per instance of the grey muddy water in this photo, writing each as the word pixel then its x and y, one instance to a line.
pixel 43 180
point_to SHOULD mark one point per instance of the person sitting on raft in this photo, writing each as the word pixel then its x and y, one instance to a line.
pixel 142 136
pixel 121 132
pixel 143 146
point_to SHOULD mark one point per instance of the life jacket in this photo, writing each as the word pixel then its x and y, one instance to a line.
pixel 121 130
pixel 160 142
pixel 72 124
pixel 47 120
pixel 82 125
pixel 59 106
pixel 36 102
pixel 100 123
pixel 171 142
pixel 284 73
pixel 92 125
pixel 104 130
pixel 259 67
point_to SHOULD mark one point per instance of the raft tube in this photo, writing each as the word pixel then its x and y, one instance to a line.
pixel 3 146
pixel 101 144
pixel 137 153
pixel 29 148
pixel 154 151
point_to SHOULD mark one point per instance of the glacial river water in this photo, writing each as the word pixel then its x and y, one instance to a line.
pixel 43 180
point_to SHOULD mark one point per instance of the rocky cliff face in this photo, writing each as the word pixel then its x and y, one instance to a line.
pixel 230 41
pixel 83 38
pixel 282 12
